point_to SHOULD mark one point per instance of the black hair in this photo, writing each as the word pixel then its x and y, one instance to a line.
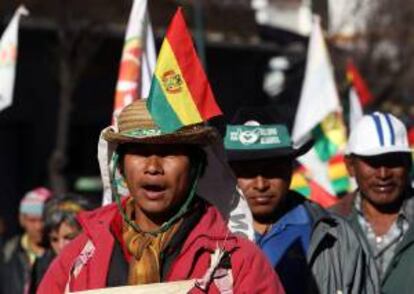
pixel 63 208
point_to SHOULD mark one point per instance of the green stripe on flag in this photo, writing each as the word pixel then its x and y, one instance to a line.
pixel 340 185
pixel 323 146
pixel 160 110
pixel 304 191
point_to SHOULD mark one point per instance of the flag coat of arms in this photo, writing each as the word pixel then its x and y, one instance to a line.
pixel 8 58
pixel 180 91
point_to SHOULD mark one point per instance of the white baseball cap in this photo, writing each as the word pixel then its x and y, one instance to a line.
pixel 376 134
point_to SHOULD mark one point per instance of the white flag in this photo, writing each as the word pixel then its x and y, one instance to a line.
pixel 319 96
pixel 8 58
pixel 355 108
pixel 319 99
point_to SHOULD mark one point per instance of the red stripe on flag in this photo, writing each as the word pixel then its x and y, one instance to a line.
pixel 338 158
pixel 411 136
pixel 181 44
pixel 321 196
pixel 355 78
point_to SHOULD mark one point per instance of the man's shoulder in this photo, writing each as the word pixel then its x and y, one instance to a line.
pixel 214 228
pixel 10 247
pixel 328 220
pixel 71 251
pixel 92 221
pixel 345 205
pixel 246 252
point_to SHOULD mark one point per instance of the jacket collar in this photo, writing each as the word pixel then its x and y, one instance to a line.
pixel 210 233
pixel 211 226
pixel 210 230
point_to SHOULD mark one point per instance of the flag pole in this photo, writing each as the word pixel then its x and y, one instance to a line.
pixel 199 31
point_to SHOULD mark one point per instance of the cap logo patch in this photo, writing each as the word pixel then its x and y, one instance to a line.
pixel 248 137
pixel 257 137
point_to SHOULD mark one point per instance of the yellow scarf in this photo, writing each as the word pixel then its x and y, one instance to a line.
pixel 144 267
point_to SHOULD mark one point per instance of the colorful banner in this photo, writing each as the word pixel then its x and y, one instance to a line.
pixel 8 58
pixel 180 91
pixel 319 116
pixel 138 59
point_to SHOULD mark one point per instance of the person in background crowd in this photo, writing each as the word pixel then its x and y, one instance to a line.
pixel 163 231
pixel 20 252
pixel 378 156
pixel 60 227
pixel 311 250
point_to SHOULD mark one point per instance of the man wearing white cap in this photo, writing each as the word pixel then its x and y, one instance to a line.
pixel 382 207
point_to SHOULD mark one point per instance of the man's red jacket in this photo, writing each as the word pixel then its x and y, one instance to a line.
pixel 250 270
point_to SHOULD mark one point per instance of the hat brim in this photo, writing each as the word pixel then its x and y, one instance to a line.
pixel 286 152
pixel 379 151
pixel 196 134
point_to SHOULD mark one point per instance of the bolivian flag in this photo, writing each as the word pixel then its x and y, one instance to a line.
pixel 303 184
pixel 180 92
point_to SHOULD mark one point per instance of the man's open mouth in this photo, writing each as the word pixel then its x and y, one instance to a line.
pixel 153 191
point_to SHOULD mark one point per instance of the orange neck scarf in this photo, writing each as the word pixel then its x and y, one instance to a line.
pixel 144 267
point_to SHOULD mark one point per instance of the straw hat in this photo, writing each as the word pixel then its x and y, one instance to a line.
pixel 137 126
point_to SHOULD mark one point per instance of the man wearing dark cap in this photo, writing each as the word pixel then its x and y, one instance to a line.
pixel 312 250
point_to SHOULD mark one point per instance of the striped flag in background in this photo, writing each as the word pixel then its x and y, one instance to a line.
pixel 138 59
pixel 319 116
pixel 180 92
pixel 358 83
pixel 359 94
pixel 302 183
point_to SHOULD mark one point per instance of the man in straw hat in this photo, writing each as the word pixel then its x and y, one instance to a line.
pixel 302 241
pixel 163 231
pixel 378 156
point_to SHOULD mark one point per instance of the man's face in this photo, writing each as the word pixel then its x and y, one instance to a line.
pixel 381 179
pixel 62 236
pixel 157 176
pixel 33 226
pixel 265 184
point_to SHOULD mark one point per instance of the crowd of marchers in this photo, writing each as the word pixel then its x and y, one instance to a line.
pixel 163 230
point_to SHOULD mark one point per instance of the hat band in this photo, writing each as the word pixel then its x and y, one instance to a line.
pixel 142 133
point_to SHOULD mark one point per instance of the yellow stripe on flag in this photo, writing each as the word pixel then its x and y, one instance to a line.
pixel 175 87
pixel 338 170
pixel 298 181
